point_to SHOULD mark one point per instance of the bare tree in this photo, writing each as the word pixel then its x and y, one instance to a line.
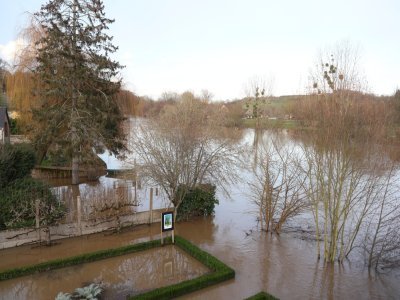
pixel 396 106
pixel 278 186
pixel 342 189
pixel 337 68
pixel 341 156
pixel 169 96
pixel 206 95
pixel 182 148
pixel 382 236
pixel 257 91
pixel 112 204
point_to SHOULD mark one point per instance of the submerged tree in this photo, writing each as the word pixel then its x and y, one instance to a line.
pixel 382 235
pixel 278 186
pixel 76 82
pixel 396 102
pixel 343 153
pixel 184 148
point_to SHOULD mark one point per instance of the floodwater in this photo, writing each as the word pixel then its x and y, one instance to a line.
pixel 119 276
pixel 285 266
pixel 96 195
pixel 282 265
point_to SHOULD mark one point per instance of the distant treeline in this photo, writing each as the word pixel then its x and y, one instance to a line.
pixel 139 106
pixel 306 108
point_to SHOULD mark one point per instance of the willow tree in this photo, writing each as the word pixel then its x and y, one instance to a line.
pixel 20 80
pixel 77 82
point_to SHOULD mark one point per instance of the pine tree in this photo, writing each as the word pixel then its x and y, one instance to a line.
pixel 77 82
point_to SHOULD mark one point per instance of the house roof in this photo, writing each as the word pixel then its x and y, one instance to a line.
pixel 3 116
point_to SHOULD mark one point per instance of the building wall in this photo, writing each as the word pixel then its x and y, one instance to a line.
pixel 5 131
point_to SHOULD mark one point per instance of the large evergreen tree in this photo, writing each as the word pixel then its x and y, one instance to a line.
pixel 77 82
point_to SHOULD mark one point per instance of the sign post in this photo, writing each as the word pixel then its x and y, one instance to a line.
pixel 167 224
pixel 151 206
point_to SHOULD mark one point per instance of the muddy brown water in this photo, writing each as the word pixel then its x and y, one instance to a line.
pixel 120 276
pixel 285 265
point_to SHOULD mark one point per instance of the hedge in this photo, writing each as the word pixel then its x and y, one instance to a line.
pixel 16 161
pixel 220 271
pixel 262 296
pixel 76 260
pixel 199 201
pixel 18 199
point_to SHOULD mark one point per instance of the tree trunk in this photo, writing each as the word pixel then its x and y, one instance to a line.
pixel 75 170
pixel 48 236
pixel 75 159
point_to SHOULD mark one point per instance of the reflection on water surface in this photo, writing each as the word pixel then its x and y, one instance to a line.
pixel 120 276
pixel 284 265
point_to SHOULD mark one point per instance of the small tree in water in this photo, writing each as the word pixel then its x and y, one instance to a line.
pixel 278 186
pixel 342 154
pixel 184 147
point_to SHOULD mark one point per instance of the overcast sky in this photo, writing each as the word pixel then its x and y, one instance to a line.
pixel 179 45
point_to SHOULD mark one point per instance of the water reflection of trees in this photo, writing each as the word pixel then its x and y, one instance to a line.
pixel 100 200
pixel 205 228
pixel 120 276
pixel 351 186
pixel 148 270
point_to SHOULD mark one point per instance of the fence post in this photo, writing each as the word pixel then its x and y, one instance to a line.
pixel 37 219
pixel 151 205
pixel 136 183
pixel 79 214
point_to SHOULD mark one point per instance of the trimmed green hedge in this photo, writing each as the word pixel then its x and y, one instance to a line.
pixel 220 271
pixel 262 296
pixel 76 260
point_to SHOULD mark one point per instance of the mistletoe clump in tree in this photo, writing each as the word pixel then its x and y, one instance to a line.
pixel 77 83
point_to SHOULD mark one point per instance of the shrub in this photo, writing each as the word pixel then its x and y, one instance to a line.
pixel 199 201
pixel 14 126
pixel 16 161
pixel 18 199
pixel 19 192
